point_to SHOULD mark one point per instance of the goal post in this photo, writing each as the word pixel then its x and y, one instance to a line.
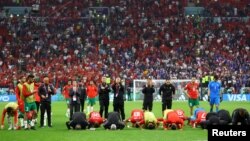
pixel 178 83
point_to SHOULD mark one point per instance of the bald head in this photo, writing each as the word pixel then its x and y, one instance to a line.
pixel 46 80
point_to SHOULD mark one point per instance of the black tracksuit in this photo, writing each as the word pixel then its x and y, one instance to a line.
pixel 244 119
pixel 104 90
pixel 45 90
pixel 74 101
pixel 167 91
pixel 148 92
pixel 113 118
pixel 78 118
pixel 224 117
pixel 82 97
pixel 118 101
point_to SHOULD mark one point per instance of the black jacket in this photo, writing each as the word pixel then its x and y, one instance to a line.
pixel 44 90
pixel 83 94
pixel 244 119
pixel 167 91
pixel 104 90
pixel 148 92
pixel 78 118
pixel 224 116
pixel 119 91
pixel 74 96
pixel 113 118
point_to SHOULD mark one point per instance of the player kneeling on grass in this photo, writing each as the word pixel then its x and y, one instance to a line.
pixel 224 116
pixel 78 122
pixel 212 118
pixel 172 121
pixel 149 121
pixel 11 109
pixel 113 121
pixel 95 119
pixel 181 114
pixel 240 116
pixel 198 117
pixel 137 116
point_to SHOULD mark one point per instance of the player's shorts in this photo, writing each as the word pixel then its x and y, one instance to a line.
pixel 20 115
pixel 91 101
pixel 30 106
pixel 214 100
pixel 67 100
pixel 193 102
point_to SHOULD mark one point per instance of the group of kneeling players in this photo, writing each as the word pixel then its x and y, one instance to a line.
pixel 172 119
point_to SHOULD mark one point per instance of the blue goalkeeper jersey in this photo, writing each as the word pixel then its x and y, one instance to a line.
pixel 214 88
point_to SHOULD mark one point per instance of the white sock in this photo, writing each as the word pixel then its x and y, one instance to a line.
pixel 21 122
pixel 32 122
pixel 88 109
pixel 25 124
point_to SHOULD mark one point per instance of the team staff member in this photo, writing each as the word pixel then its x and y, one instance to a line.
pixel 83 95
pixel 46 90
pixel 91 93
pixel 78 122
pixel 148 91
pixel 11 109
pixel 192 94
pixel 137 115
pixel 29 101
pixel 240 115
pixel 104 90
pixel 167 90
pixel 224 116
pixel 214 88
pixel 74 94
pixel 113 121
pixel 118 101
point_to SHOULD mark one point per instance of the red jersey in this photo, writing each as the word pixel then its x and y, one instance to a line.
pixel 95 117
pixel 181 114
pixel 66 89
pixel 91 91
pixel 37 97
pixel 137 115
pixel 172 117
pixel 201 116
pixel 192 90
pixel 19 97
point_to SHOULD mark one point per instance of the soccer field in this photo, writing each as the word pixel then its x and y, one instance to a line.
pixel 59 132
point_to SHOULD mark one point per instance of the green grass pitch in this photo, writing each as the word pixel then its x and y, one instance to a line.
pixel 59 132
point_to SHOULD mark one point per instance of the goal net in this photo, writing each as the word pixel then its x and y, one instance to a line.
pixel 179 89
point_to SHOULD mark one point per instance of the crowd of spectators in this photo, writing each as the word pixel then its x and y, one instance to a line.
pixel 138 39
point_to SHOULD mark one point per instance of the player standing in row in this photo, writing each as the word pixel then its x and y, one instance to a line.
pixel 214 94
pixel 20 100
pixel 192 94
pixel 29 101
pixel 65 92
pixel 91 93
